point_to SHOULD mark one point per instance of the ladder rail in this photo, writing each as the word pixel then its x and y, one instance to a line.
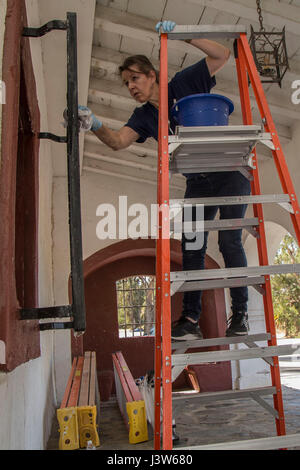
pixel 279 159
pixel 242 68
pixel 163 305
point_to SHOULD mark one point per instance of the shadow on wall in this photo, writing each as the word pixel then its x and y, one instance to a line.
pixel 128 258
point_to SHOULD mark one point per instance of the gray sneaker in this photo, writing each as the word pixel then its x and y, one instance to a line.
pixel 185 330
pixel 238 324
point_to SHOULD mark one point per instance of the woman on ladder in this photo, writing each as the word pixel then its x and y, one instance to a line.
pixel 142 81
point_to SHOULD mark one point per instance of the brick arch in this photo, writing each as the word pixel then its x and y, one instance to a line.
pixel 123 259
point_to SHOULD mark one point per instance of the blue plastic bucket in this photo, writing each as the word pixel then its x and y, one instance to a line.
pixel 203 109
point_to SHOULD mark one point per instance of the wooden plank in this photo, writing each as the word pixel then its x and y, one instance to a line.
pixel 119 371
pixel 93 378
pixel 69 384
pixel 136 395
pixel 85 381
pixel 74 394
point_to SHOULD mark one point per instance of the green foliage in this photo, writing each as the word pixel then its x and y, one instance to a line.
pixel 286 289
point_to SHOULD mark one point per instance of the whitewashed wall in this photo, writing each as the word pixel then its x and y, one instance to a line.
pixel 28 394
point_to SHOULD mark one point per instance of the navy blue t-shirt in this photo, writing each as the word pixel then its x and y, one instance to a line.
pixel 192 80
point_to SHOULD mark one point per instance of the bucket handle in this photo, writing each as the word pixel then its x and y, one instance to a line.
pixel 174 111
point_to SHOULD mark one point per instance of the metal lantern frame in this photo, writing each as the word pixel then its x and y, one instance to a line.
pixel 270 54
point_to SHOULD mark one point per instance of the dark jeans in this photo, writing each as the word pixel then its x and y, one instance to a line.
pixel 230 244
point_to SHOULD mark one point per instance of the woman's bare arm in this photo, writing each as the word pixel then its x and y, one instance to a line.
pixel 116 140
pixel 217 54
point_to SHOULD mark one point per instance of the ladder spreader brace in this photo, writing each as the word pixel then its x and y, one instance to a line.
pixel 75 311
pixel 163 350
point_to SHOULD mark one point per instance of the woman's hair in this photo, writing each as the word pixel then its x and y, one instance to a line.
pixel 142 62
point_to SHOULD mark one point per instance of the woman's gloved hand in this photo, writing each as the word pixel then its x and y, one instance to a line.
pixel 167 26
pixel 87 120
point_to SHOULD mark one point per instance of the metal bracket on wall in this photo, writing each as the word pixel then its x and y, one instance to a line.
pixel 77 309
pixel 56 326
pixel 46 28
pixel 55 138
pixel 63 311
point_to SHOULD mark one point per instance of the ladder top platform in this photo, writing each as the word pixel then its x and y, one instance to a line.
pixel 183 132
pixel 206 31
pixel 221 142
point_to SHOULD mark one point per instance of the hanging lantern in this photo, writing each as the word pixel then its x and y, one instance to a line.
pixel 269 52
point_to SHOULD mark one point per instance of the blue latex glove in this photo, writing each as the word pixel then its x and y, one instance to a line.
pixel 167 26
pixel 87 120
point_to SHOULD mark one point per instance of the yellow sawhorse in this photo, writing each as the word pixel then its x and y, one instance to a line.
pixel 77 415
pixel 131 403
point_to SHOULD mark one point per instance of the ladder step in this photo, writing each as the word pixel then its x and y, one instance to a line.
pixel 182 286
pixel 180 347
pixel 223 395
pixel 206 31
pixel 185 167
pixel 204 343
pixel 232 355
pixel 264 443
pixel 205 274
pixel 206 279
pixel 220 224
pixel 189 167
pixel 252 131
pixel 232 200
pixel 210 160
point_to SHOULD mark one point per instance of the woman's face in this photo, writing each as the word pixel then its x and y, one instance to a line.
pixel 140 85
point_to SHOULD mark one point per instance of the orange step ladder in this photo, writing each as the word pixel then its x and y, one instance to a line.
pixel 168 365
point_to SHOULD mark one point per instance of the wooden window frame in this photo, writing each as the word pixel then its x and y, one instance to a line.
pixel 19 339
